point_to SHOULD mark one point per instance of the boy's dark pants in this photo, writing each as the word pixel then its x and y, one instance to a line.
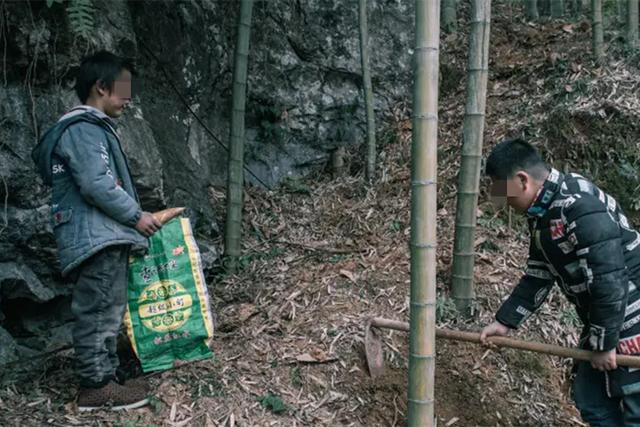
pixel 98 303
pixel 596 408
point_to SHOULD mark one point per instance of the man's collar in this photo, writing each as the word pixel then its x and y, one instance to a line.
pixel 546 194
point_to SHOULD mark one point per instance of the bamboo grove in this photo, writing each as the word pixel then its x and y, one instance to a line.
pixel 430 17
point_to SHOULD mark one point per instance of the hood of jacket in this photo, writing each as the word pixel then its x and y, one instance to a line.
pixel 42 152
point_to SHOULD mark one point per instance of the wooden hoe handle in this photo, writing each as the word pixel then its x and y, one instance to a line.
pixel 538 347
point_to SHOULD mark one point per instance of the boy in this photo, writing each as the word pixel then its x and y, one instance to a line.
pixel 581 239
pixel 97 220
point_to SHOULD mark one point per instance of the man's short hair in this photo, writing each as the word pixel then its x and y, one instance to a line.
pixel 102 67
pixel 512 155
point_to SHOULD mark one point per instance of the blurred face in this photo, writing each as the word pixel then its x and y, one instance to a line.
pixel 519 191
pixel 113 102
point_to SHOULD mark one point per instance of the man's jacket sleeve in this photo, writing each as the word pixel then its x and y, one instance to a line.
pixel 597 238
pixel 530 292
pixel 84 148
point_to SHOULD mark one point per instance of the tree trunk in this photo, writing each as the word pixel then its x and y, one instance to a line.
pixel 337 162
pixel 596 28
pixel 632 23
pixel 557 8
pixel 575 8
pixel 449 16
pixel 544 8
pixel 584 5
pixel 235 184
pixel 531 7
pixel 424 170
pixel 470 165
pixel 621 9
pixel 368 91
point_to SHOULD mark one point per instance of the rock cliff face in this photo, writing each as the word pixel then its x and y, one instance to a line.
pixel 304 101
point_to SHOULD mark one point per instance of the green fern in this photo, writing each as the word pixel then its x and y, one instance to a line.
pixel 80 14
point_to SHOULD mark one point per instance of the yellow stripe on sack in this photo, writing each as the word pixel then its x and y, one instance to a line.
pixel 198 275
pixel 129 326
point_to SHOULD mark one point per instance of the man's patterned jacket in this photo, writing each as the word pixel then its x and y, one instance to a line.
pixel 581 239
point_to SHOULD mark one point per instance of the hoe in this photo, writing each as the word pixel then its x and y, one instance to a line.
pixel 375 356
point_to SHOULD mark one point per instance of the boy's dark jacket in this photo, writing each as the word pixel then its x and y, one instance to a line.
pixel 94 201
pixel 581 239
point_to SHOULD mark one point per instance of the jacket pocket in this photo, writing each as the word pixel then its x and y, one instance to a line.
pixel 63 227
pixel 62 216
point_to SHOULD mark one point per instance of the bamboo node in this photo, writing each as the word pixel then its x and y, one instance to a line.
pixel 426 116
pixel 462 277
pixel 422 402
pixel 424 245
pixel 432 48
pixel 464 253
pixel 422 183
pixel 422 356
pixel 423 304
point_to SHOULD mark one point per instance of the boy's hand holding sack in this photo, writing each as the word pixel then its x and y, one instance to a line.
pixel 168 316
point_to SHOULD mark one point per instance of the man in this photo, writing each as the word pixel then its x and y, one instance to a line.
pixel 580 239
pixel 97 220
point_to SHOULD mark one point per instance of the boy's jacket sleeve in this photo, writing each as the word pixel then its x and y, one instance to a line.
pixel 530 292
pixel 599 251
pixel 84 148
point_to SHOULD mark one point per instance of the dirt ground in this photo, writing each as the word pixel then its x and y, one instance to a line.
pixel 323 254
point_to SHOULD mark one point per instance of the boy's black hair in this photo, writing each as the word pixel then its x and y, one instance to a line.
pixel 103 68
pixel 513 155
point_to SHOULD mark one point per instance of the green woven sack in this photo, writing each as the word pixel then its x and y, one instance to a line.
pixel 168 317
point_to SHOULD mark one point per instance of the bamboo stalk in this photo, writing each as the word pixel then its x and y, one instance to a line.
pixel 531 8
pixel 470 165
pixel 621 11
pixel 537 347
pixel 423 215
pixel 632 23
pixel 235 184
pixel 584 5
pixel 368 90
pixel 557 8
pixel 449 16
pixel 596 26
pixel 574 8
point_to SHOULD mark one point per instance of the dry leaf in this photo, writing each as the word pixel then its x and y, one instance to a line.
pixel 245 311
pixel 172 414
pixel 349 275
pixel 316 356
pixel 567 28
pixel 480 240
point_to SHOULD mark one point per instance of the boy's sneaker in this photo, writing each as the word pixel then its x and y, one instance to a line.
pixel 138 382
pixel 112 396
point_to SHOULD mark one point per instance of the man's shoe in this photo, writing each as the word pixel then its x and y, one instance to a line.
pixel 112 396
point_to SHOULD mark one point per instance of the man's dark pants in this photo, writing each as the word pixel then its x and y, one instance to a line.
pixel 596 407
pixel 98 303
